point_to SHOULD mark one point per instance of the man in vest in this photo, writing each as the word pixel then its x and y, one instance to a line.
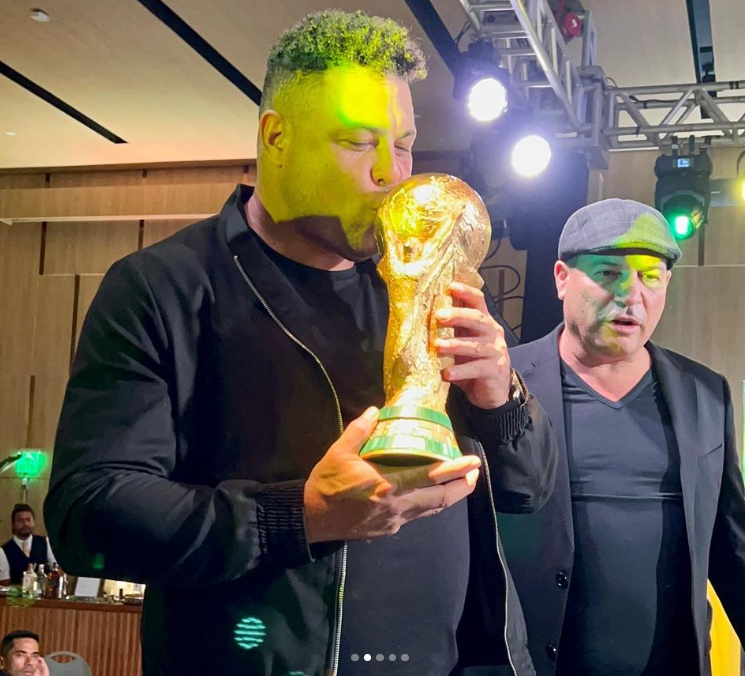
pixel 23 548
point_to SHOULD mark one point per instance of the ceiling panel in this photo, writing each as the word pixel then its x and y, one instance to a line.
pixel 116 63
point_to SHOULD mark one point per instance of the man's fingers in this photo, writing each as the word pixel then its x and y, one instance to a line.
pixel 474 321
pixel 454 469
pixel 468 295
pixel 358 431
pixel 473 348
pixel 431 475
pixel 432 500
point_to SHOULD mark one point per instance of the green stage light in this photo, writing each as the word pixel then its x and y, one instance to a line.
pixel 682 226
pixel 683 190
pixel 31 464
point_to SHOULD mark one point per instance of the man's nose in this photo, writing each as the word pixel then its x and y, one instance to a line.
pixel 629 289
pixel 386 171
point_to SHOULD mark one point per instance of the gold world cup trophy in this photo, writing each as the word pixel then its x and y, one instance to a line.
pixel 431 230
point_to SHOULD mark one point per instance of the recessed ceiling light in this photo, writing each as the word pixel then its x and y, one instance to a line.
pixel 10 133
pixel 39 15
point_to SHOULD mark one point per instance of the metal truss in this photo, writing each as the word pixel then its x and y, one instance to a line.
pixel 719 105
pixel 567 97
pixel 577 103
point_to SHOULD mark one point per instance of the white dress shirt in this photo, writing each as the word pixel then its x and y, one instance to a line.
pixel 5 566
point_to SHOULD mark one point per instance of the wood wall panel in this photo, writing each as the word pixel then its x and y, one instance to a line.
pixel 197 175
pixel 49 391
pixel 630 175
pixel 22 181
pixel 20 247
pixel 155 231
pixel 88 248
pixel 107 638
pixel 52 335
pixel 62 179
pixel 87 289
pixel 705 320
pixel 725 236
pixel 90 203
pixel 14 410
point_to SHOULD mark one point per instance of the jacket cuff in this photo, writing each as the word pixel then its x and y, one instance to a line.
pixel 281 522
pixel 509 421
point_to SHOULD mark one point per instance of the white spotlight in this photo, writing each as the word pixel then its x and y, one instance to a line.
pixel 487 99
pixel 530 156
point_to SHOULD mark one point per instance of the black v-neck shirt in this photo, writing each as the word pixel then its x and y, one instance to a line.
pixel 629 606
pixel 404 594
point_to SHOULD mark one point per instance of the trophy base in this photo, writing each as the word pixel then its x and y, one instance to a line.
pixel 411 435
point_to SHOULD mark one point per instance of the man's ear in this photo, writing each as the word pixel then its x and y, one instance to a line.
pixel 561 275
pixel 274 134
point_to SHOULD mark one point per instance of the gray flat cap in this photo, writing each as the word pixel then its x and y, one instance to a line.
pixel 618 224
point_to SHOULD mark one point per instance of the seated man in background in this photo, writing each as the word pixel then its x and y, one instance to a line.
pixel 649 503
pixel 19 655
pixel 23 548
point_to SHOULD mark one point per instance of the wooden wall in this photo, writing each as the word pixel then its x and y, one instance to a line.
pixel 67 228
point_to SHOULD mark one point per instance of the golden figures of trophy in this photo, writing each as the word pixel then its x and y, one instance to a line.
pixel 431 230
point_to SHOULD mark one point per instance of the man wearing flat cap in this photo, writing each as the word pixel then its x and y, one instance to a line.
pixel 649 498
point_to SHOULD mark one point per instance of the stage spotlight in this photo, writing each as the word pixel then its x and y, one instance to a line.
pixel 683 191
pixel 530 156
pixel 487 99
pixel 481 83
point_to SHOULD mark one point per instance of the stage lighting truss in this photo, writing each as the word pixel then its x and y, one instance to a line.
pixel 588 112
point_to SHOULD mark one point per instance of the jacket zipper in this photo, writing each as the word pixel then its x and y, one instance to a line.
pixel 499 555
pixel 340 422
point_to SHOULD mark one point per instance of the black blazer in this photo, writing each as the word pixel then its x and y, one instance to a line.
pixel 540 546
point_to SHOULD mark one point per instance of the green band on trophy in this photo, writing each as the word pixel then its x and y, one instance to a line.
pixel 411 444
pixel 415 413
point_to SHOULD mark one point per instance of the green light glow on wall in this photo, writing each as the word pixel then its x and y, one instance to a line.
pixel 31 463
pixel 249 633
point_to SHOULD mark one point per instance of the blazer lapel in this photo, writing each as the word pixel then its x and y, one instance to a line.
pixel 679 390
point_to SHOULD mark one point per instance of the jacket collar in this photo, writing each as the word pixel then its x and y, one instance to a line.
pixel 276 290
pixel 274 287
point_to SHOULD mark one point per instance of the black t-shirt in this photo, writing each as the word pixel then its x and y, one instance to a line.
pixel 629 606
pixel 404 594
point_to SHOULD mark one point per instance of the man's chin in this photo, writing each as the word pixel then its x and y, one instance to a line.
pixel 363 250
pixel 360 255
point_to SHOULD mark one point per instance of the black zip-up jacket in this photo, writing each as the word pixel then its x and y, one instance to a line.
pixel 197 406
